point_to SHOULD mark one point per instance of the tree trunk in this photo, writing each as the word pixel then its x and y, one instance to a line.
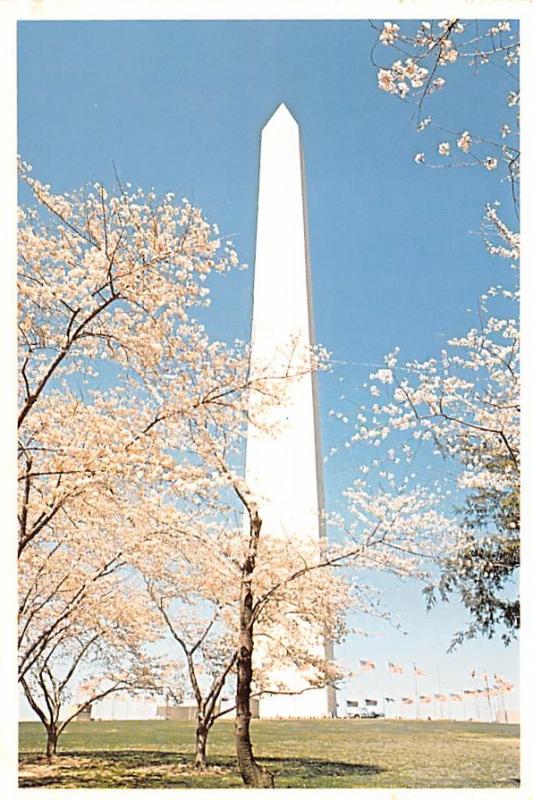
pixel 51 742
pixel 253 774
pixel 200 756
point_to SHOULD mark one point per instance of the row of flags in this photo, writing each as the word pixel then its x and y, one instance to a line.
pixel 428 698
pixel 395 669
pixel 501 685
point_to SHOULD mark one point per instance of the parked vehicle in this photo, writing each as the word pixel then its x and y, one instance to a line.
pixel 366 713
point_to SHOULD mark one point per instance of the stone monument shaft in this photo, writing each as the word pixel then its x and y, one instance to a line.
pixel 285 470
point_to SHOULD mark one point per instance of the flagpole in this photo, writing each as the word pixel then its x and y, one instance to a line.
pixel 500 699
pixel 440 692
pixel 416 693
pixel 486 680
pixel 476 705
pixel 502 702
pixel 504 707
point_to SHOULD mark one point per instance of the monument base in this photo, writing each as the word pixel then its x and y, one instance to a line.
pixel 311 704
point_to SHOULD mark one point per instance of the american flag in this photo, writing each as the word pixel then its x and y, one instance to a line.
pixel 425 698
pixel 441 697
pixel 389 699
pixel 501 685
pixel 396 669
pixel 455 696
pixel 418 671
pixel 367 666
pixel 408 700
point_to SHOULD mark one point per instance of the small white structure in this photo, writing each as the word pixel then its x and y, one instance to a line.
pixel 122 707
pixel 285 470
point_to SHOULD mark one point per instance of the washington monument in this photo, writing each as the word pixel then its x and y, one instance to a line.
pixel 285 470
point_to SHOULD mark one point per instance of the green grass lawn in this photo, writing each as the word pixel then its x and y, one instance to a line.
pixel 301 753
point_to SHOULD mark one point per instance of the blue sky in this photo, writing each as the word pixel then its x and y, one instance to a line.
pixel 395 257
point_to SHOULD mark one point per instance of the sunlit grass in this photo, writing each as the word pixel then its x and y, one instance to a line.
pixel 301 753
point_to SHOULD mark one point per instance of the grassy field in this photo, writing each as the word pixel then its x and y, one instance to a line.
pixel 321 753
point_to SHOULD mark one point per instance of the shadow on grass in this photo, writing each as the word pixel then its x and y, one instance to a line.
pixel 314 768
pixel 145 769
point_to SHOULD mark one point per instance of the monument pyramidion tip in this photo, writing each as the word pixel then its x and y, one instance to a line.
pixel 281 116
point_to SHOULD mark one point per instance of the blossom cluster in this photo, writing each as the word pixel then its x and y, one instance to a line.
pixel 396 80
pixel 439 44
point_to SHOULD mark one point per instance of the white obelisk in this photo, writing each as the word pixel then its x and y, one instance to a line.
pixel 285 470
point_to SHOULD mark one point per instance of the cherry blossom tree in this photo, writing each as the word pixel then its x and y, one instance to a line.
pixel 464 403
pixel 125 508
pixel 198 594
pixel 288 597
pixel 193 592
pixel 106 286
pixel 104 644
pixel 109 358
pixel 120 394
pixel 296 599
pixel 198 589
pixel 428 51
